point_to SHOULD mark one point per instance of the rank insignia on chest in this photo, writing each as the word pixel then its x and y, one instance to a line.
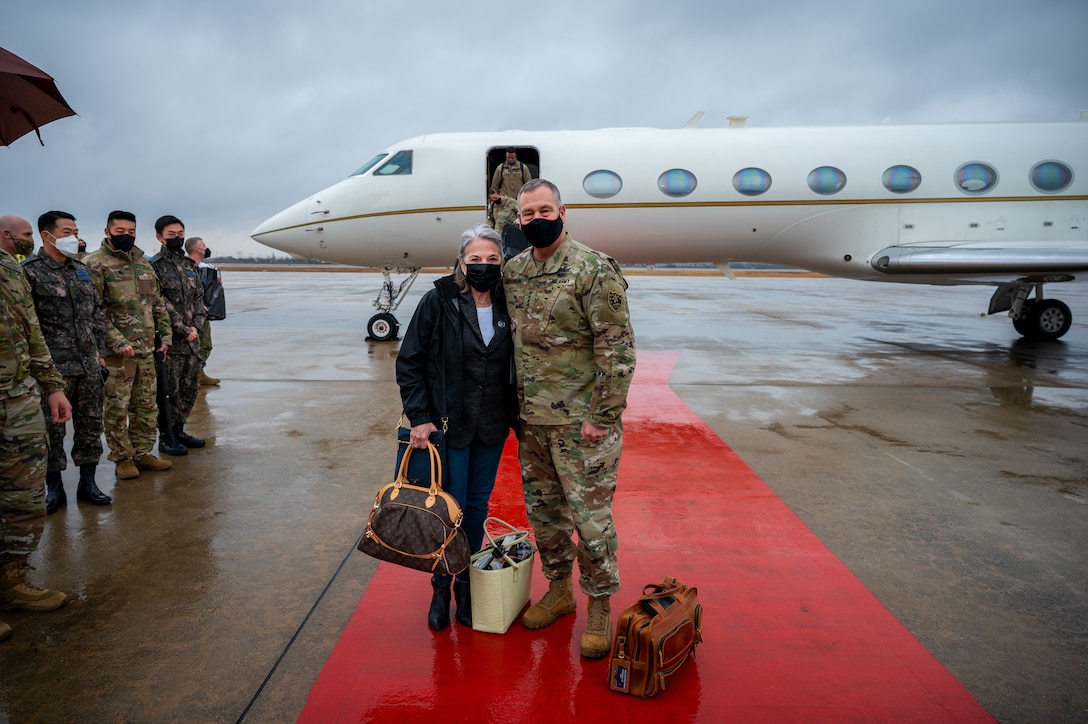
pixel 615 301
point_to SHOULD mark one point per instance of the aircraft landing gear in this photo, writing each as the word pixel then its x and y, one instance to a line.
pixel 1037 318
pixel 383 326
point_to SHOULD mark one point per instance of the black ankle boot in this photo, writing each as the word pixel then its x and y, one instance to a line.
pixel 438 617
pixel 185 438
pixel 171 447
pixel 463 596
pixel 54 493
pixel 88 490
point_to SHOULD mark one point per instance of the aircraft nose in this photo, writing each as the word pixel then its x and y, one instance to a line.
pixel 286 232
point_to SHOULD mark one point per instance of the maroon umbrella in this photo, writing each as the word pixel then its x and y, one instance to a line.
pixel 28 99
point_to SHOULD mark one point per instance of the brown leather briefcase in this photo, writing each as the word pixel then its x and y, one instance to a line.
pixel 654 636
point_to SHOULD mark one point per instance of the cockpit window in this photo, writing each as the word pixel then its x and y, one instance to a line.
pixel 370 164
pixel 399 165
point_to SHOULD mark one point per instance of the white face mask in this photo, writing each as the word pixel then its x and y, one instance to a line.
pixel 68 245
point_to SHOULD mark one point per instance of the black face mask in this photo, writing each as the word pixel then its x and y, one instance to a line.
pixel 207 253
pixel 123 242
pixel 482 277
pixel 542 233
pixel 176 243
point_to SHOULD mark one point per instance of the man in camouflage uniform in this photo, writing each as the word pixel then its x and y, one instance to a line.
pixel 501 210
pixel 575 353
pixel 210 278
pixel 183 293
pixel 26 373
pixel 72 324
pixel 135 313
pixel 510 176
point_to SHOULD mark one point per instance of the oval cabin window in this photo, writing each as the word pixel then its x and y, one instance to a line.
pixel 676 182
pixel 602 184
pixel 1050 177
pixel 826 180
pixel 976 178
pixel 751 181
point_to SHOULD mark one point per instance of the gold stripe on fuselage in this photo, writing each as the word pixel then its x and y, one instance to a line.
pixel 703 204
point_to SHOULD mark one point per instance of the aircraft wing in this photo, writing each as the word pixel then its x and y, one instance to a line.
pixel 1026 261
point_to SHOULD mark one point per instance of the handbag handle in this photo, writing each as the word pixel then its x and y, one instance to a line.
pixel 669 587
pixel 436 467
pixel 522 535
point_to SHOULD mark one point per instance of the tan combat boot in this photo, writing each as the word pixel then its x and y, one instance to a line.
pixel 126 470
pixel 597 639
pixel 5 631
pixel 558 601
pixel 208 381
pixel 18 593
pixel 150 462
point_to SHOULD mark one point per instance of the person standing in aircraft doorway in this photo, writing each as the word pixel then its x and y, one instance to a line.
pixel 574 351
pixel 510 176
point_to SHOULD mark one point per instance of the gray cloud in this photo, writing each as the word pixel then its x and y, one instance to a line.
pixel 225 112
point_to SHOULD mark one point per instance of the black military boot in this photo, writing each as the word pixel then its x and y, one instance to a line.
pixel 88 491
pixel 169 446
pixel 438 615
pixel 185 438
pixel 54 494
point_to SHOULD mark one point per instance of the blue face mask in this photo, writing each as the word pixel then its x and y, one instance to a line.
pixel 542 233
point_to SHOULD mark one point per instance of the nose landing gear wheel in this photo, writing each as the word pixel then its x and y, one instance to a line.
pixel 382 327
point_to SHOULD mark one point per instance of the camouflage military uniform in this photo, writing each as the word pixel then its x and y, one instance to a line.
pixel 26 372
pixel 71 320
pixel 501 213
pixel 184 297
pixel 575 354
pixel 508 180
pixel 134 312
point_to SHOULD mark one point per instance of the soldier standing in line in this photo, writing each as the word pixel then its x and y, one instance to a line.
pixel 184 297
pixel 26 374
pixel 198 251
pixel 135 313
pixel 574 351
pixel 71 320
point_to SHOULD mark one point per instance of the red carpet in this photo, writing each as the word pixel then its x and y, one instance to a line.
pixel 789 633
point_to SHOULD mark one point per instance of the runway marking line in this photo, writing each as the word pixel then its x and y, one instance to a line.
pixel 790 634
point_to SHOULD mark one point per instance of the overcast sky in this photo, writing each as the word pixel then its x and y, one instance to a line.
pixel 224 112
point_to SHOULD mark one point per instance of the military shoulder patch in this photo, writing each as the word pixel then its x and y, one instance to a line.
pixel 615 301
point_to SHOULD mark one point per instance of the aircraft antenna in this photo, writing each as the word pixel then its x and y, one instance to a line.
pixel 695 120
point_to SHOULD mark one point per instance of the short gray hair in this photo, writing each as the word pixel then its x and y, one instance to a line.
pixel 537 183
pixel 479 231
pixel 191 243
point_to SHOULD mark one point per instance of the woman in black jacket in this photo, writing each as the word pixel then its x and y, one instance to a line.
pixel 455 371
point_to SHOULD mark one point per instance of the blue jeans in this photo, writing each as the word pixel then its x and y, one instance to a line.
pixel 470 476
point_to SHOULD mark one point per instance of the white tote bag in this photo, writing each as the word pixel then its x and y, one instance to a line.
pixel 498 596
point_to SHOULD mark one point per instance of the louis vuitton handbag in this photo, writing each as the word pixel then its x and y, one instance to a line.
pixel 415 526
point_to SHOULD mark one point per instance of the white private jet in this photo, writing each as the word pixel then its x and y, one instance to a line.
pixel 998 204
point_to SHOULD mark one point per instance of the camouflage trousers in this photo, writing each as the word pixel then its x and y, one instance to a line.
pixel 87 395
pixel 205 344
pixel 183 373
pixel 131 411
pixel 22 473
pixel 569 484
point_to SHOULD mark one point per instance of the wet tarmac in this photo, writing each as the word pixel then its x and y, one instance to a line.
pixel 943 459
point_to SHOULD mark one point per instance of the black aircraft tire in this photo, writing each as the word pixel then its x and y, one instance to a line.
pixel 382 327
pixel 1022 324
pixel 1049 319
